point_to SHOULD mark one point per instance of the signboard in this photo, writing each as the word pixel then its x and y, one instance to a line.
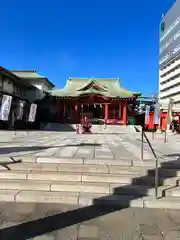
pixel 147 114
pixel 20 110
pixel 32 113
pixel 5 107
pixel 170 35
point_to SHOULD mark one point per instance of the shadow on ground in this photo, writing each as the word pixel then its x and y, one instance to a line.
pixel 8 150
pixel 84 145
pixel 98 208
pixel 174 155
pixel 56 127
pixel 6 164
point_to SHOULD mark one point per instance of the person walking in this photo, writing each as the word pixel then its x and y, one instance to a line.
pixel 175 125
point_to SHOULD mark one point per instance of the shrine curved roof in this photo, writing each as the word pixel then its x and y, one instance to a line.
pixel 109 87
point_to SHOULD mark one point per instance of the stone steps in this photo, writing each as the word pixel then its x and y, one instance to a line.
pixel 130 201
pixel 150 163
pixel 173 192
pixel 54 160
pixel 55 186
pixel 83 187
pixel 85 181
pixel 88 168
pixel 94 177
pixel 66 167
pixel 86 199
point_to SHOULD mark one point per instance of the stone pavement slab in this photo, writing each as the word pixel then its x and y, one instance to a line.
pixel 60 222
pixel 85 152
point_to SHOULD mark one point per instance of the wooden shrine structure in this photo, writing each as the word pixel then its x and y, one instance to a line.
pixel 103 98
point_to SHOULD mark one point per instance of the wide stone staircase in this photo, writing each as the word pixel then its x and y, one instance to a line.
pixel 123 182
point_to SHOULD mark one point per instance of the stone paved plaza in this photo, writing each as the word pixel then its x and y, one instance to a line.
pixel 59 221
pixel 125 144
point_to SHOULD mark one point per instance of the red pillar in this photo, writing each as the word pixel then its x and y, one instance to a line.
pixel 125 112
pixel 106 112
pixel 76 112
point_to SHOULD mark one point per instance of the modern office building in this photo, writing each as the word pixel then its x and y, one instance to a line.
pixel 169 58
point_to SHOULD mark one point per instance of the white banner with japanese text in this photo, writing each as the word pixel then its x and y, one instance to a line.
pixel 32 113
pixel 20 110
pixel 5 107
pixel 147 114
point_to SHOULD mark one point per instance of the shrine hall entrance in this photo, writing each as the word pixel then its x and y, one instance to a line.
pixel 100 107
pixel 95 110
pixel 108 110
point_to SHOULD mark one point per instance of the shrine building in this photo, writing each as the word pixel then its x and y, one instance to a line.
pixel 103 99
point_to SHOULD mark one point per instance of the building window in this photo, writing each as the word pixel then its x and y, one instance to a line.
pixel 162 26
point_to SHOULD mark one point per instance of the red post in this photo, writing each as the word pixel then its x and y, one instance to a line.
pixel 76 107
pixel 125 112
pixel 77 128
pixel 76 112
pixel 106 112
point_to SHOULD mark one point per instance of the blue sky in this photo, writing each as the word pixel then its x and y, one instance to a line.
pixel 97 38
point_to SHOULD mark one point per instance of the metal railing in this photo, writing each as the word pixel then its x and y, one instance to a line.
pixel 143 135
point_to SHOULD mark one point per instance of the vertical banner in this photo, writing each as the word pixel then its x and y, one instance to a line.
pixel 147 114
pixel 5 107
pixel 156 113
pixel 20 110
pixel 169 114
pixel 32 113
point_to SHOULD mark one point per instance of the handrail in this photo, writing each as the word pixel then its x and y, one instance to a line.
pixel 156 158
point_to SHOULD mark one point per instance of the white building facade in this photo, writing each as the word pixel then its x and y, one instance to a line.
pixel 169 62
pixel 169 85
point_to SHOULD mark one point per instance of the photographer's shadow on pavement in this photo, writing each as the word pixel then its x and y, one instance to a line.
pixel 99 207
